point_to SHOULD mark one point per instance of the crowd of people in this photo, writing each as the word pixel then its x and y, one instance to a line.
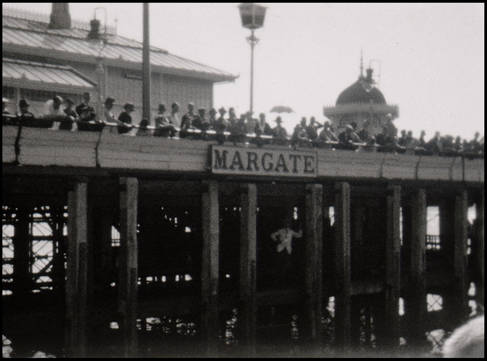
pixel 224 125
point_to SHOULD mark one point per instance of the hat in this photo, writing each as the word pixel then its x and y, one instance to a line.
pixel 202 110
pixel 348 126
pixel 128 106
pixel 278 120
pixel 58 98
pixel 162 106
pixel 23 103
pixel 175 104
pixel 222 110
pixel 69 101
pixel 212 111
pixel 4 100
pixel 109 100
pixel 191 103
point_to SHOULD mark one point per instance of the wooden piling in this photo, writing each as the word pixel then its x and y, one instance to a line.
pixel 77 270
pixel 313 254
pixel 416 295
pixel 479 247
pixel 342 265
pixel 210 265
pixel 248 259
pixel 393 264
pixel 460 253
pixel 128 265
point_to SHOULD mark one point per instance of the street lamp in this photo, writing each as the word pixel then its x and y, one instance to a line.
pixel 252 16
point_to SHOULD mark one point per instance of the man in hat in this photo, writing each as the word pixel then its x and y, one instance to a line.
pixel 24 116
pixel 300 135
pixel 212 118
pixel 200 121
pixel 187 121
pixel 85 110
pixel 175 117
pixel 262 126
pixel 280 133
pixel 220 126
pixel 348 137
pixel 54 111
pixel 71 116
pixel 126 118
pixel 164 126
pixel 312 129
pixel 251 123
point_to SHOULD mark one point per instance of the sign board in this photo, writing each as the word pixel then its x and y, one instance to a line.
pixel 263 162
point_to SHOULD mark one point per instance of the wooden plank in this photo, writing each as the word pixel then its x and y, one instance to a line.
pixel 393 262
pixel 209 264
pixel 416 294
pixel 9 135
pixel 342 266
pixel 248 259
pixel 127 298
pixel 313 254
pixel 77 270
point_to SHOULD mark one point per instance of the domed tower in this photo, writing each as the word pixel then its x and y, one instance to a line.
pixel 362 103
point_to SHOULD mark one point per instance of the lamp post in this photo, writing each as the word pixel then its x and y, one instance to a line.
pixel 252 16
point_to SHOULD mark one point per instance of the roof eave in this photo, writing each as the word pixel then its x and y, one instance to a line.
pixel 22 49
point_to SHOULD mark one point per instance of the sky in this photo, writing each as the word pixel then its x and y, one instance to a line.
pixel 430 57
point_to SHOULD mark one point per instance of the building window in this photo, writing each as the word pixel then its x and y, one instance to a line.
pixel 8 92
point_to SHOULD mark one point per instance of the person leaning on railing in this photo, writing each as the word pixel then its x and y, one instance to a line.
pixel 279 133
pixel 24 116
pixel 220 126
pixel 53 112
pixel 126 118
pixel 348 137
pixel 163 124
pixel 71 119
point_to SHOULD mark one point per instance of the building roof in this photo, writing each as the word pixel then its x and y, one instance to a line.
pixel 362 91
pixel 25 32
pixel 43 76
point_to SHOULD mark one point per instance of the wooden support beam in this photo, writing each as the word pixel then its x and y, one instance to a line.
pixel 209 264
pixel 128 265
pixel 393 263
pixel 21 241
pixel 77 270
pixel 479 247
pixel 248 259
pixel 342 265
pixel 460 254
pixel 416 293
pixel 313 263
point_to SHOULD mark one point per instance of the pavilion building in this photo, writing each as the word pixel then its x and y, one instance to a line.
pixel 361 103
pixel 46 55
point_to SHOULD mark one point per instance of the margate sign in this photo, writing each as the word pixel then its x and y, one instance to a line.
pixel 257 161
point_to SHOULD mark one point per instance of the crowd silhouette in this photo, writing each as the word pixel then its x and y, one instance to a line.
pixel 60 114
